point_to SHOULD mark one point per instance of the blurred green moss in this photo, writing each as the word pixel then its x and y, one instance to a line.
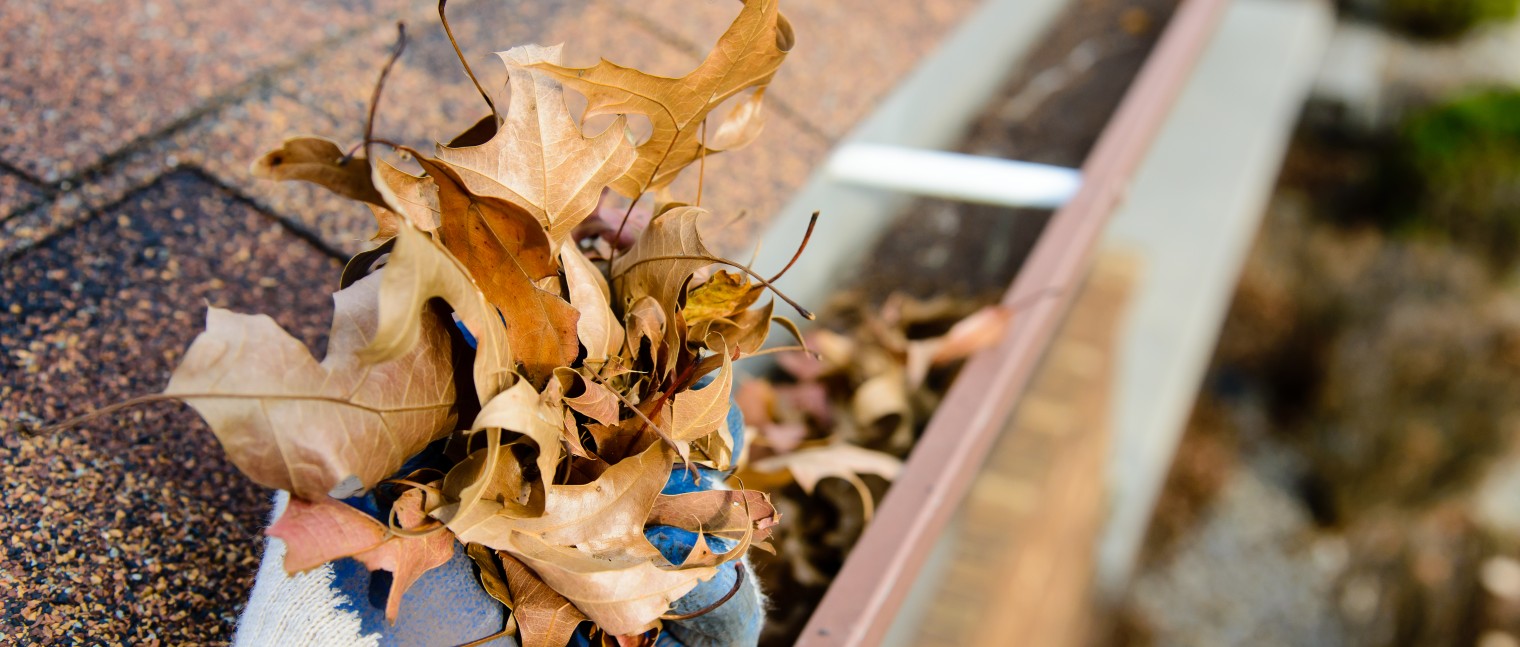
pixel 1445 18
pixel 1461 161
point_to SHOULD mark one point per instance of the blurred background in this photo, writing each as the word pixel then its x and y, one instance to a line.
pixel 1282 408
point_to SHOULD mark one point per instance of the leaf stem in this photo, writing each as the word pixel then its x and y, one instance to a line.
pixel 443 17
pixel 812 222
pixel 738 582
pixel 374 99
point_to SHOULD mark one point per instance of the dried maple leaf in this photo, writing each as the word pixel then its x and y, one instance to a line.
pixel 746 56
pixel 291 423
pixel 539 159
pixel 506 250
pixel 320 162
pixel 420 269
pixel 597 328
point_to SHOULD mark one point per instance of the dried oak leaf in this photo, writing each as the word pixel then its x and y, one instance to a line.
pixel 839 460
pixel 506 251
pixel 723 296
pixel 746 56
pixel 321 531
pixel 597 328
pixel 540 160
pixel 415 198
pixel 623 591
pixel 291 423
pixel 320 162
pixel 420 269
pixel 659 264
pixel 545 617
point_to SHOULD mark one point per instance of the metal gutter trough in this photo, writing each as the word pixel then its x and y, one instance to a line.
pixel 867 594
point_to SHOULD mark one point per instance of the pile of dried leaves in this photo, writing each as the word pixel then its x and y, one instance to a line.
pixel 850 411
pixel 508 368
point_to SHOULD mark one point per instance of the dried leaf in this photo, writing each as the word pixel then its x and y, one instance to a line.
pixel 415 196
pixel 546 618
pixel 881 396
pixel 420 269
pixel 722 296
pixel 695 413
pixel 291 423
pixel 408 558
pixel 486 488
pixel 506 250
pixel 492 577
pixel 742 126
pixel 520 409
pixel 597 327
pixel 320 162
pixel 595 401
pixel 746 56
pixel 717 512
pixel 622 593
pixel 809 466
pixel 658 265
pixel 319 531
pixel 540 160
pixel 646 320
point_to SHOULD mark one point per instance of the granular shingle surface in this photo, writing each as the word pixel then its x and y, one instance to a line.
pixel 134 529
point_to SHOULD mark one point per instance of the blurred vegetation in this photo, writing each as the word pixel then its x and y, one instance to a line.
pixel 1434 19
pixel 1460 162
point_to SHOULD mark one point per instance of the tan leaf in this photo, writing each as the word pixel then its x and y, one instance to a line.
pixel 545 618
pixel 492 577
pixel 520 409
pixel 415 196
pixel 746 56
pixel 622 593
pixel 660 262
pixel 884 395
pixel 981 329
pixel 594 401
pixel 694 413
pixel 606 514
pixel 717 512
pixel 843 461
pixel 646 320
pixel 506 250
pixel 540 160
pixel 487 488
pixel 741 127
pixel 320 162
pixel 420 269
pixel 291 423
pixel 597 327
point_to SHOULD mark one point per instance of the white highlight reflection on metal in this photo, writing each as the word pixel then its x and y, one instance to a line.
pixel 967 178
